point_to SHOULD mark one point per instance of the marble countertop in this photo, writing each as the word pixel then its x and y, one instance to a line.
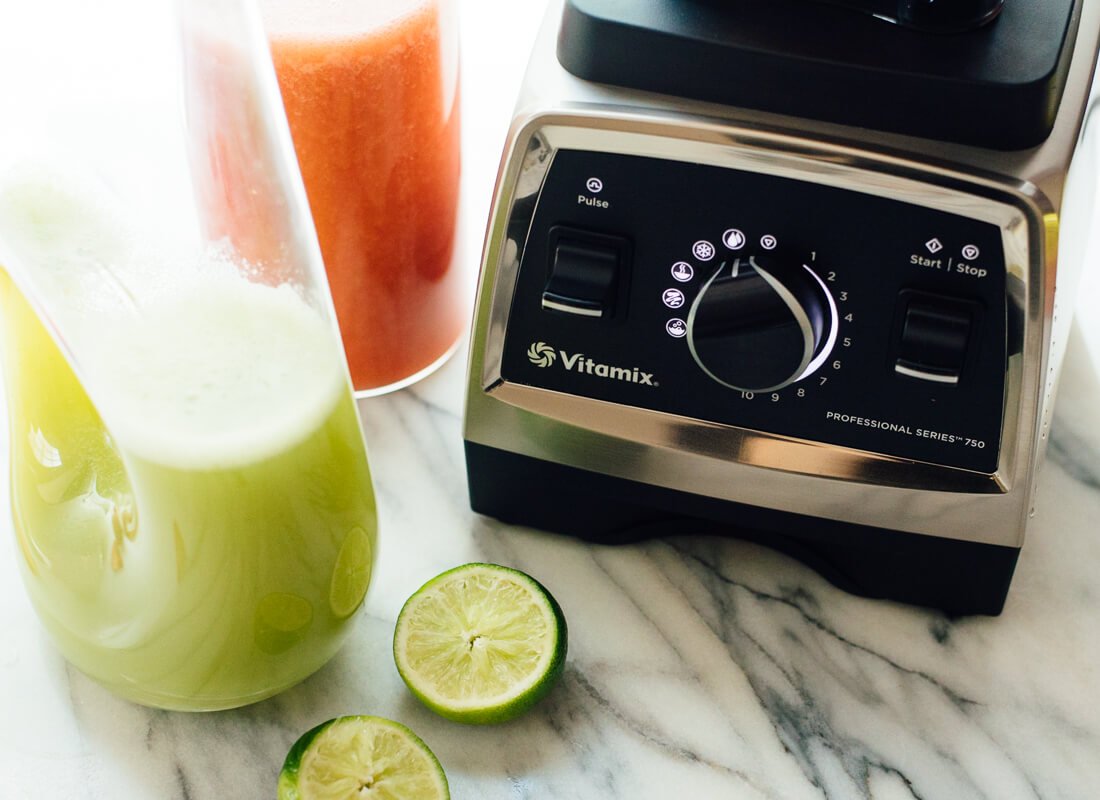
pixel 697 668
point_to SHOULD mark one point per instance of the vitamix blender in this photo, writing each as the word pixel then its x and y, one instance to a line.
pixel 788 272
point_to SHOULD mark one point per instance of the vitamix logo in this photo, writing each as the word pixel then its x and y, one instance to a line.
pixel 543 355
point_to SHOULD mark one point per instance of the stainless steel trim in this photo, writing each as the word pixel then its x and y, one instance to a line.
pixel 522 172
pixel 691 141
pixel 723 461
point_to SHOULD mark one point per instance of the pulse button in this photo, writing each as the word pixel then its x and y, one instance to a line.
pixel 585 272
pixel 935 337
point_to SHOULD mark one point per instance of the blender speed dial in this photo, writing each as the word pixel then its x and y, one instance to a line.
pixel 762 322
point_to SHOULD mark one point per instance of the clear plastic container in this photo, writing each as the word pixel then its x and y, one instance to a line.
pixel 191 498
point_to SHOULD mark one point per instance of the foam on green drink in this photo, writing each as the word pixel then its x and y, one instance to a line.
pixel 194 511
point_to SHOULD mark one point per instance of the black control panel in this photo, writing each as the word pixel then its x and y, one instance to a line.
pixel 766 303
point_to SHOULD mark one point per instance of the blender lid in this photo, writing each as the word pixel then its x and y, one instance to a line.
pixel 996 86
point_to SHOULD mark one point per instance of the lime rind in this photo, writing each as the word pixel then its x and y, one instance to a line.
pixel 288 777
pixel 481 643
pixel 351 757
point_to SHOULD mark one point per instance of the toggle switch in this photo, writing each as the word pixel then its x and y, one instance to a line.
pixel 585 270
pixel 935 337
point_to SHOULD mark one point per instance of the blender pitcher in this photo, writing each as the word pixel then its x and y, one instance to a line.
pixel 191 500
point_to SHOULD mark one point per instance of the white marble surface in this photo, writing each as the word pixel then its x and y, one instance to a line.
pixel 697 668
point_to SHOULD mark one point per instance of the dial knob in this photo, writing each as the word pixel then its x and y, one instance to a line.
pixel 762 323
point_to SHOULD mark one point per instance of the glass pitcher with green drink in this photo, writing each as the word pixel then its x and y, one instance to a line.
pixel 191 501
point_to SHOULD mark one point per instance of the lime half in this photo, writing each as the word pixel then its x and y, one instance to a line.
pixel 480 643
pixel 354 758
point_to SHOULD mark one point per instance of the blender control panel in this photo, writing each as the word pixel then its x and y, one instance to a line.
pixel 765 303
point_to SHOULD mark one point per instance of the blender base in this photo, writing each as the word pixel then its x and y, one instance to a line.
pixel 957 577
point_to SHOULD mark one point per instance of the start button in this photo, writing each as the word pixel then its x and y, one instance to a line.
pixel 936 334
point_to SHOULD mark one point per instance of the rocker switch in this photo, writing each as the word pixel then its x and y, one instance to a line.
pixel 584 274
pixel 935 337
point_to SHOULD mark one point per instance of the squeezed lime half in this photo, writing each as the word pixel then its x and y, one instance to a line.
pixel 480 643
pixel 356 758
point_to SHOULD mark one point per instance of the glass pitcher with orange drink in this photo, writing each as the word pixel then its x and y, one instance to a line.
pixel 371 93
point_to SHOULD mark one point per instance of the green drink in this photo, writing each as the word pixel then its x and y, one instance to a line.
pixel 192 502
